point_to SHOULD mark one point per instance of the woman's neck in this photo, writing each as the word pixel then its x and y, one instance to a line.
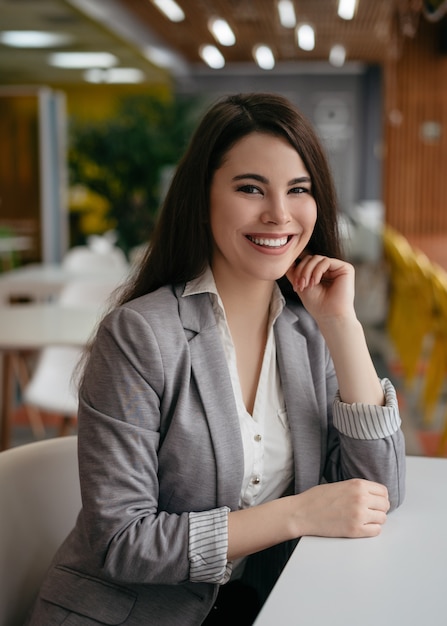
pixel 247 309
pixel 244 298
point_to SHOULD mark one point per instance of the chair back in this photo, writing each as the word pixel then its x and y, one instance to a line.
pixel 40 500
pixel 87 293
pixel 52 386
pixel 84 259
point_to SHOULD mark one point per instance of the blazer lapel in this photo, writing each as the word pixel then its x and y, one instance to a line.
pixel 212 377
pixel 301 403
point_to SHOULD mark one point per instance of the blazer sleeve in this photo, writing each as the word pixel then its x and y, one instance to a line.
pixel 370 444
pixel 119 439
pixel 358 440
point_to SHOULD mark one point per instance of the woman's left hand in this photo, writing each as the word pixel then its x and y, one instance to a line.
pixel 325 286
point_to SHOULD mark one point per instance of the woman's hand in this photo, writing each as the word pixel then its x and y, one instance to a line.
pixel 325 286
pixel 350 508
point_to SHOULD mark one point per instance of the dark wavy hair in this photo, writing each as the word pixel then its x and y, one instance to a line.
pixel 181 245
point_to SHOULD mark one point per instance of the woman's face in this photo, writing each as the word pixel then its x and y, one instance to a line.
pixel 262 211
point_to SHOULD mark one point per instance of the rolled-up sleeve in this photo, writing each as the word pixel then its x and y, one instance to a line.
pixel 367 421
pixel 208 546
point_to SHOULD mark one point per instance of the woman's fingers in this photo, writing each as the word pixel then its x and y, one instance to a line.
pixel 314 269
pixel 351 508
pixel 309 272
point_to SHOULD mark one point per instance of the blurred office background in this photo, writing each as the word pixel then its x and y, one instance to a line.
pixel 98 99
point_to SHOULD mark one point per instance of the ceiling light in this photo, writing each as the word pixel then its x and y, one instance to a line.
pixel 286 12
pixel 171 9
pixel 33 38
pixel 306 37
pixel 346 9
pixel 114 75
pixel 160 56
pixel 212 57
pixel 222 32
pixel 82 60
pixel 337 55
pixel 264 57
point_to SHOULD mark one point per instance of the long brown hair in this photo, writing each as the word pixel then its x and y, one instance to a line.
pixel 181 244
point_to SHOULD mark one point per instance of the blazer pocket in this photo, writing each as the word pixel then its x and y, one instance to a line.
pixel 91 597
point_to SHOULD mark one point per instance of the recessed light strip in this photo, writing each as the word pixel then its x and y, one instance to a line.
pixel 264 57
pixel 346 9
pixel 305 37
pixel 222 32
pixel 33 38
pixel 337 55
pixel 170 9
pixel 286 12
pixel 82 60
pixel 122 75
pixel 212 57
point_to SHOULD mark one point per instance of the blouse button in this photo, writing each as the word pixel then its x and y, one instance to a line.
pixel 258 437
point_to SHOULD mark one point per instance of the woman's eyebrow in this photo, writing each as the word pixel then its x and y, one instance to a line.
pixel 301 179
pixel 263 179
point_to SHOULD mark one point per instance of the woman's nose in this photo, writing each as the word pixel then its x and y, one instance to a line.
pixel 276 212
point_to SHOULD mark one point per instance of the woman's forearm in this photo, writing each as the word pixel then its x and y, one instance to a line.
pixel 349 508
pixel 357 377
pixel 259 527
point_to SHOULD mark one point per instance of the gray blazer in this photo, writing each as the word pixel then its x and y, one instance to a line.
pixel 159 437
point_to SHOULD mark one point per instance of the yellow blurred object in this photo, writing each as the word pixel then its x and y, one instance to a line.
pixel 417 321
pixel 410 313
pixel 437 361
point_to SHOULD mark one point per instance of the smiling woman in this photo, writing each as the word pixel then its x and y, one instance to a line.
pixel 260 221
pixel 228 402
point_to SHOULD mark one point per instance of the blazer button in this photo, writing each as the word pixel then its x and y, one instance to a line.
pixel 256 480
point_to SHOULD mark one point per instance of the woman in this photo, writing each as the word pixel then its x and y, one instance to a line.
pixel 220 419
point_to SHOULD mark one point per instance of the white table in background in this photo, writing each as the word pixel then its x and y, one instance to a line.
pixel 396 579
pixel 32 327
pixel 40 282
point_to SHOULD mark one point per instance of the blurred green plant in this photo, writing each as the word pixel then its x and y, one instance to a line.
pixel 124 159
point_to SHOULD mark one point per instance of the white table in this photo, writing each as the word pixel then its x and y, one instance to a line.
pixel 41 282
pixel 398 578
pixel 32 327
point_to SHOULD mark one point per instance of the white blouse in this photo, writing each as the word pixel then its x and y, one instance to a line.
pixel 268 455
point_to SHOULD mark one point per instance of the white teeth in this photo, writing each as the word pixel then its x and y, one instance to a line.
pixel 270 243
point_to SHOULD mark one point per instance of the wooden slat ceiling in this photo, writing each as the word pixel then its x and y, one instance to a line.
pixel 94 25
pixel 366 38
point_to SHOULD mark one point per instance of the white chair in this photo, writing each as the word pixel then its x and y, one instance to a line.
pixel 51 387
pixel 39 502
pixel 87 259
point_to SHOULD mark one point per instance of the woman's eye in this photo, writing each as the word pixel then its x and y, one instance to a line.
pixel 299 190
pixel 250 189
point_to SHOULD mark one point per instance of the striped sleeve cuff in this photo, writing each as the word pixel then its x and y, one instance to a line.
pixel 368 421
pixel 208 546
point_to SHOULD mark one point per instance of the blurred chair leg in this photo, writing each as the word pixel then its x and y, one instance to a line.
pixel 67 424
pixel 22 376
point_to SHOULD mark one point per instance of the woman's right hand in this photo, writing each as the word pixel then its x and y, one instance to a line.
pixel 350 508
